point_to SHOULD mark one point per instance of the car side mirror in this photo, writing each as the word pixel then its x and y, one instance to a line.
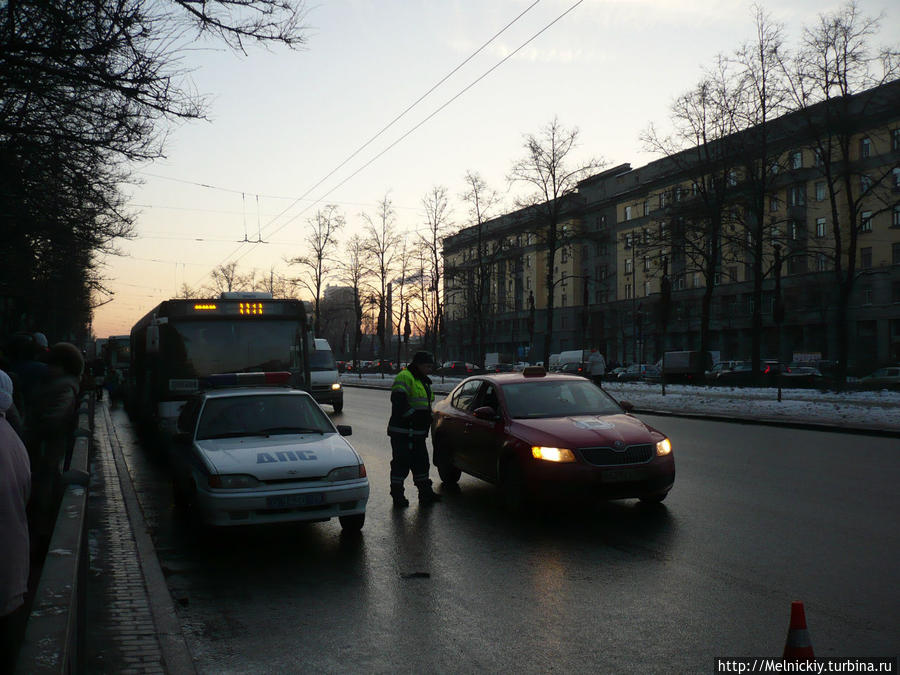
pixel 486 412
pixel 627 406
pixel 344 429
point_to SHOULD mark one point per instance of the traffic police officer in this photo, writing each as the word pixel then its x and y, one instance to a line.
pixel 411 399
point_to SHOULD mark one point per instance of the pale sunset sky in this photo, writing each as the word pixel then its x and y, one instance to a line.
pixel 281 121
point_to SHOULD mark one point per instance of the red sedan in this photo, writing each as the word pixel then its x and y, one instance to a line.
pixel 535 434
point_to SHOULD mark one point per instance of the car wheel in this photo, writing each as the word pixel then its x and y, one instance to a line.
pixel 654 499
pixel 185 494
pixel 449 474
pixel 338 406
pixel 352 523
pixel 512 486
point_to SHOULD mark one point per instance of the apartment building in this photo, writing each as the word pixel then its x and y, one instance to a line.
pixel 711 221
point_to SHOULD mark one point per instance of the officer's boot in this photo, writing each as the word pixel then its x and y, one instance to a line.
pixel 426 494
pixel 397 495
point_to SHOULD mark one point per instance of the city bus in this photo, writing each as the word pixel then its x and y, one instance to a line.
pixel 180 342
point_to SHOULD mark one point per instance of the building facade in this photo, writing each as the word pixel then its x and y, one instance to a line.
pixel 710 221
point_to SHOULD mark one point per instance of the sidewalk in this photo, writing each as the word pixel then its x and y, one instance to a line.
pixel 132 624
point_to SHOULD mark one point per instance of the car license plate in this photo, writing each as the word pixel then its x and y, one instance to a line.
pixel 622 475
pixel 290 501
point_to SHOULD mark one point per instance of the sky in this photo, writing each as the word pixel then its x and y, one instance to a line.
pixel 288 130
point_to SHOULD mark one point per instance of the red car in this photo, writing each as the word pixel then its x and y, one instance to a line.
pixel 540 435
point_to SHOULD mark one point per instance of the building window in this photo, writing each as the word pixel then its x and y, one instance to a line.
pixel 797 195
pixel 865 148
pixel 646 288
pixel 895 139
pixel 627 213
pixel 895 216
pixel 797 160
pixel 819 158
pixel 865 222
pixel 663 199
pixel 821 262
pixel 628 266
pixel 565 254
pixel 662 231
pixel 528 284
pixel 627 291
pixel 820 191
pixel 795 230
pixel 696 280
pixel 865 183
pixel 646 208
pixel 895 253
pixel 865 258
pixel 896 178
pixel 628 240
pixel 732 178
pixel 773 203
pixel 867 295
pixel 646 263
pixel 565 303
pixel 820 228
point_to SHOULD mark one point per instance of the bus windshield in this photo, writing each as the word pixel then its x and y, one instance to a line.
pixel 198 348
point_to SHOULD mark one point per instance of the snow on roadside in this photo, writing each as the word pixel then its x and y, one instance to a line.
pixel 878 410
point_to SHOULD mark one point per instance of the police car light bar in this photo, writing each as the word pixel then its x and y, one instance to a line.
pixel 269 379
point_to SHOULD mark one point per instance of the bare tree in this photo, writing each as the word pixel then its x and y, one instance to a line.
pixel 760 96
pixel 88 87
pixel 275 284
pixel 380 245
pixel 473 276
pixel 320 244
pixel 225 278
pixel 701 148
pixel 828 83
pixel 547 168
pixel 437 222
pixel 354 273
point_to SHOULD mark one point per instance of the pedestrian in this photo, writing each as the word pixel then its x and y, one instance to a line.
pixel 49 430
pixel 15 489
pixel 598 366
pixel 411 399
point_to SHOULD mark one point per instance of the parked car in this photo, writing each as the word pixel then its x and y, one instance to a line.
pixel 246 456
pixel 573 369
pixel 379 366
pixel 502 368
pixel 887 376
pixel 741 373
pixel 643 372
pixel 458 369
pixel 540 435
pixel 802 374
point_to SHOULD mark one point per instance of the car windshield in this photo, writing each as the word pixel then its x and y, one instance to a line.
pixel 261 415
pixel 557 398
pixel 321 359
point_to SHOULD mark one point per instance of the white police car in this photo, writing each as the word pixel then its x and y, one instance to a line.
pixel 266 455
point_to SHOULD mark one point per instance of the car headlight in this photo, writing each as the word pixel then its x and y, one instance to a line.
pixel 347 473
pixel 230 482
pixel 335 386
pixel 663 447
pixel 552 454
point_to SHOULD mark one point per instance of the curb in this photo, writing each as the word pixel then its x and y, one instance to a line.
pixel 788 424
pixel 176 655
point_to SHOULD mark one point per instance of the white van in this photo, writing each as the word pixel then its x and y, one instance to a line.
pixel 323 375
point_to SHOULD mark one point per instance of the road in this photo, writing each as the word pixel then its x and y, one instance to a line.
pixel 759 516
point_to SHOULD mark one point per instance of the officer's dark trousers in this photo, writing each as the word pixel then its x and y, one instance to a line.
pixel 409 454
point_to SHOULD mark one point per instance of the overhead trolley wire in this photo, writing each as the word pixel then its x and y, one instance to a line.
pixel 383 130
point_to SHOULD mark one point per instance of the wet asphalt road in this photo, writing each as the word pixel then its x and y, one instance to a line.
pixel 759 516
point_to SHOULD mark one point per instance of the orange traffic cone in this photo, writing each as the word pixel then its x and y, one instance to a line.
pixel 798 646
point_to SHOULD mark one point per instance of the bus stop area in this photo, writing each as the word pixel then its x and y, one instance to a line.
pixel 100 603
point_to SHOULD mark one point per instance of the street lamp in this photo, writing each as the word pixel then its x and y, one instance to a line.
pixel 778 313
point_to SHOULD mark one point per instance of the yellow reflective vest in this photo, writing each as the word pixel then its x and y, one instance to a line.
pixel 413 418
